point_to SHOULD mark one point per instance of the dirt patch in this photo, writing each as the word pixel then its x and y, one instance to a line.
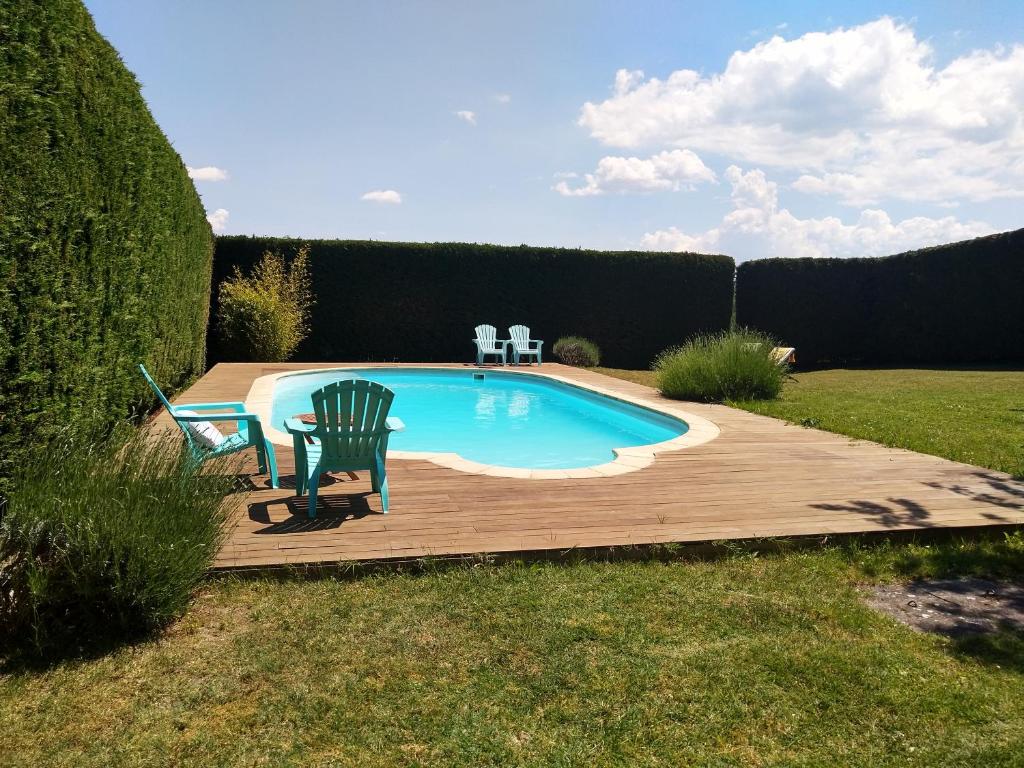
pixel 953 607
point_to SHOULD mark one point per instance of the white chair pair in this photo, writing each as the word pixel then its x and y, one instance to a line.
pixel 488 343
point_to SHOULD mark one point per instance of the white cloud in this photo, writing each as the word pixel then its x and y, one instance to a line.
pixel 503 98
pixel 207 173
pixel 468 115
pixel 862 113
pixel 758 227
pixel 666 171
pixel 388 196
pixel 218 219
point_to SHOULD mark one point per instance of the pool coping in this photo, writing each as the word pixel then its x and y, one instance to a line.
pixel 259 400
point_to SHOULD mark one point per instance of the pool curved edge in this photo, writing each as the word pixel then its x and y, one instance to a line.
pixel 701 430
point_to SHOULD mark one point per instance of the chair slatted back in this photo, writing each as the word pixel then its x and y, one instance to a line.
pixel 520 336
pixel 350 416
pixel 193 446
pixel 487 335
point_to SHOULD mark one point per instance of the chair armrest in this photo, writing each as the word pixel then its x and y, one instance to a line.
pixel 296 427
pixel 499 345
pixel 239 407
pixel 217 417
pixel 394 424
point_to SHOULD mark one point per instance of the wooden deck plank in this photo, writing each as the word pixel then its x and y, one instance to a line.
pixel 759 478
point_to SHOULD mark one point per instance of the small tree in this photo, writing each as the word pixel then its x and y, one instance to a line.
pixel 263 317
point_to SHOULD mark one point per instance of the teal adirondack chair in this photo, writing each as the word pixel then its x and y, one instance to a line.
pixel 522 344
pixel 351 433
pixel 249 434
pixel 487 343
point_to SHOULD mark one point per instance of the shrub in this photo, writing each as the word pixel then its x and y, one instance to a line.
pixel 735 365
pixel 957 303
pixel 105 251
pixel 421 301
pixel 263 317
pixel 105 539
pixel 575 350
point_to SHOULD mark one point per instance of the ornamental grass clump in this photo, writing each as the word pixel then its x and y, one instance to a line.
pixel 575 350
pixel 264 316
pixel 105 539
pixel 712 368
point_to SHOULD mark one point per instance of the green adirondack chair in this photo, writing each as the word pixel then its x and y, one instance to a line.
pixel 351 433
pixel 195 416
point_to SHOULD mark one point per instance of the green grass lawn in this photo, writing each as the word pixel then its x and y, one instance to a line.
pixel 972 416
pixel 770 660
pixel 748 660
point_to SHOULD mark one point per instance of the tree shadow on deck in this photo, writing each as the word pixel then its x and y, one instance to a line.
pixel 998 491
pixel 897 513
pixel 1006 493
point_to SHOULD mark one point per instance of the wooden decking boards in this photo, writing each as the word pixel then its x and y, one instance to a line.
pixel 759 478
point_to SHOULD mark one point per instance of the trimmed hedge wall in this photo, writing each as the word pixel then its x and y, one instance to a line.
pixel 105 251
pixel 951 304
pixel 381 301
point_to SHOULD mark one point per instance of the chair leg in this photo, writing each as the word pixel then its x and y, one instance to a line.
pixel 382 483
pixel 272 461
pixel 384 493
pixel 314 485
pixel 261 459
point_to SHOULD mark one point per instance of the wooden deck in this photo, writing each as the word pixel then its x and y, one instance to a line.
pixel 759 478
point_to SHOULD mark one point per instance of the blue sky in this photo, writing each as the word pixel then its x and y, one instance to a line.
pixel 755 129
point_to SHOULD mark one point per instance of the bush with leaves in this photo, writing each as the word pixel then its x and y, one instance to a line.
pixel 105 250
pixel 263 317
pixel 420 301
pixel 735 365
pixel 105 539
pixel 575 350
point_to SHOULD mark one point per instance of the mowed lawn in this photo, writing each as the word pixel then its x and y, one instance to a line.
pixel 973 416
pixel 746 661
pixel 750 660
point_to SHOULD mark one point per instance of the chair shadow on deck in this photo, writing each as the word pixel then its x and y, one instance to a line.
pixel 333 509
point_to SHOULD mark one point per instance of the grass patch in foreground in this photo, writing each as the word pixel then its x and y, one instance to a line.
pixel 744 661
pixel 976 417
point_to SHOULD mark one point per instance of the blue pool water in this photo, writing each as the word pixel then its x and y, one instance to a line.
pixel 505 419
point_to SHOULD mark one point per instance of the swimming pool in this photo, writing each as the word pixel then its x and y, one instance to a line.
pixel 496 418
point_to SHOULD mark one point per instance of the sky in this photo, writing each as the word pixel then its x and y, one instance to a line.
pixel 752 129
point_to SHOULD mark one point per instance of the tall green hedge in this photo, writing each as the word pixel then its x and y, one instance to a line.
pixel 105 251
pixel 952 304
pixel 420 301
